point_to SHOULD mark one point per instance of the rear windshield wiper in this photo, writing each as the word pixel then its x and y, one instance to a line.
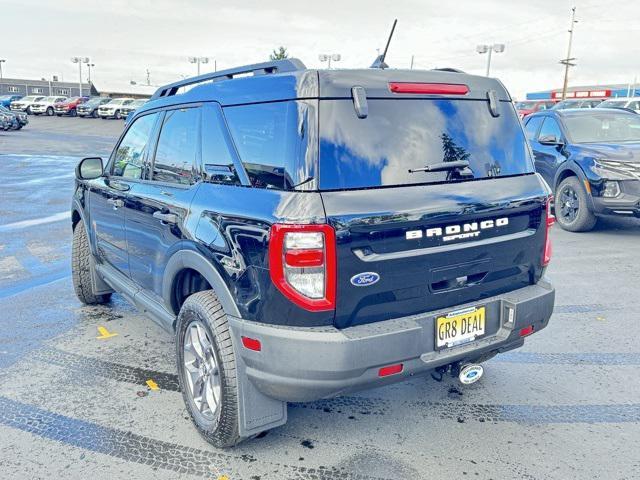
pixel 442 167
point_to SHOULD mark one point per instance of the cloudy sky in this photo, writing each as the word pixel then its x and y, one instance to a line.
pixel 125 37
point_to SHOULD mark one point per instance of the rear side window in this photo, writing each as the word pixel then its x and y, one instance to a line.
pixel 402 135
pixel 129 157
pixel 216 148
pixel 175 159
pixel 276 142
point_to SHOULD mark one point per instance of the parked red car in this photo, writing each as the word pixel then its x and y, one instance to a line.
pixel 68 107
pixel 527 107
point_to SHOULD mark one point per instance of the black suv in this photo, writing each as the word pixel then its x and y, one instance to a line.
pixel 309 233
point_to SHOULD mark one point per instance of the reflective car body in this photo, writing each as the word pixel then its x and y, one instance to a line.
pixel 585 144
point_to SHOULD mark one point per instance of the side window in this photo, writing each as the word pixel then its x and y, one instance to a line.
pixel 634 105
pixel 175 159
pixel 550 127
pixel 216 154
pixel 532 127
pixel 275 142
pixel 129 157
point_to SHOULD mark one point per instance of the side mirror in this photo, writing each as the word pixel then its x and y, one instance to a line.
pixel 89 168
pixel 550 140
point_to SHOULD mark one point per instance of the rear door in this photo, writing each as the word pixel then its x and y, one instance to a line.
pixel 412 241
pixel 159 208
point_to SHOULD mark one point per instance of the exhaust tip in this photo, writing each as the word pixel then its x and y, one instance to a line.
pixel 470 373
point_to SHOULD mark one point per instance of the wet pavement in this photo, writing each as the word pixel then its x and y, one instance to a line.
pixel 566 405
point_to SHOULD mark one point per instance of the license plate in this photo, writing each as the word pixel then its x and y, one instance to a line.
pixel 459 327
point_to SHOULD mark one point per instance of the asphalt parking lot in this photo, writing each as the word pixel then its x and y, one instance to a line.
pixel 92 391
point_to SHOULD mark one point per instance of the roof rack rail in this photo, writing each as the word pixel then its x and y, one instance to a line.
pixel 276 66
pixel 447 69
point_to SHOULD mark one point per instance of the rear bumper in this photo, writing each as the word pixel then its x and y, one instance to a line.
pixel 306 364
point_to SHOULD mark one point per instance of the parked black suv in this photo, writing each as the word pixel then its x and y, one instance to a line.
pixel 308 233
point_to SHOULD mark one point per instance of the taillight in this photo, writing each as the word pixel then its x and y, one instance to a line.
pixel 302 264
pixel 429 88
pixel 550 220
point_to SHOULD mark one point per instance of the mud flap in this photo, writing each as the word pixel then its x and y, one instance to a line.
pixel 256 411
pixel 99 286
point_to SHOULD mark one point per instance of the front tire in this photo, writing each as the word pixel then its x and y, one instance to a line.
pixel 50 112
pixel 117 115
pixel 81 268
pixel 572 206
pixel 207 369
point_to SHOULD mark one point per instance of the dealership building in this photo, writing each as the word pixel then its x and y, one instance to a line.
pixel 24 87
pixel 589 91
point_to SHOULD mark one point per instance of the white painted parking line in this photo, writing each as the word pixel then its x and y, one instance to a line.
pixel 36 221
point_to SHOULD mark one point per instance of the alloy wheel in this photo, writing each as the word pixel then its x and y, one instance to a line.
pixel 201 370
pixel 569 204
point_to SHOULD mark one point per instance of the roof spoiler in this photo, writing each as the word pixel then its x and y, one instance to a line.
pixel 277 66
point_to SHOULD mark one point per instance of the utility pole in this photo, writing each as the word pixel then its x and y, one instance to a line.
pixel 411 67
pixel 148 77
pixel 2 60
pixel 568 62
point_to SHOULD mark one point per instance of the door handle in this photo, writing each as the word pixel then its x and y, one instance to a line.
pixel 171 218
pixel 116 202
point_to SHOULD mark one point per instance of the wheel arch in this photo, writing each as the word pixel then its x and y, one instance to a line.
pixel 184 261
pixel 572 169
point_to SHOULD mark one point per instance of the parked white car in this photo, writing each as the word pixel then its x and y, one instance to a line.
pixel 630 103
pixel 46 105
pixel 25 103
pixel 113 109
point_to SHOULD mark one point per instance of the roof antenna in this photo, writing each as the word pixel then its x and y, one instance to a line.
pixel 379 62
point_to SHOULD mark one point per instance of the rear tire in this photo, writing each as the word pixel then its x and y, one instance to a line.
pixel 572 206
pixel 203 322
pixel 81 268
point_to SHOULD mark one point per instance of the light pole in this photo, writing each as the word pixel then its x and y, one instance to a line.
pixel 496 47
pixel 324 57
pixel 2 60
pixel 80 61
pixel 198 61
pixel 90 66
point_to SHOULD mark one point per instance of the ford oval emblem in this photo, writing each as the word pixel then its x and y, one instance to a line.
pixel 365 279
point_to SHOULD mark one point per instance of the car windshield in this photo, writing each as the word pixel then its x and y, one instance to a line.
pixel 613 103
pixel 568 104
pixel 610 127
pixel 118 101
pixel 30 98
pixel 525 105
pixel 138 103
pixel 50 99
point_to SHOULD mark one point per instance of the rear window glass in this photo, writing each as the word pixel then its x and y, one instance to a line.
pixel 402 135
pixel 276 142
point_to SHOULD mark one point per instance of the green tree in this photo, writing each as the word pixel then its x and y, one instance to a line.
pixel 279 54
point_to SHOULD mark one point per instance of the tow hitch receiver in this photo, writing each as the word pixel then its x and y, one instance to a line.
pixel 470 373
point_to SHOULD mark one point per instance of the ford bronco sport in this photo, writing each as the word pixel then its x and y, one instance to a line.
pixel 308 233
